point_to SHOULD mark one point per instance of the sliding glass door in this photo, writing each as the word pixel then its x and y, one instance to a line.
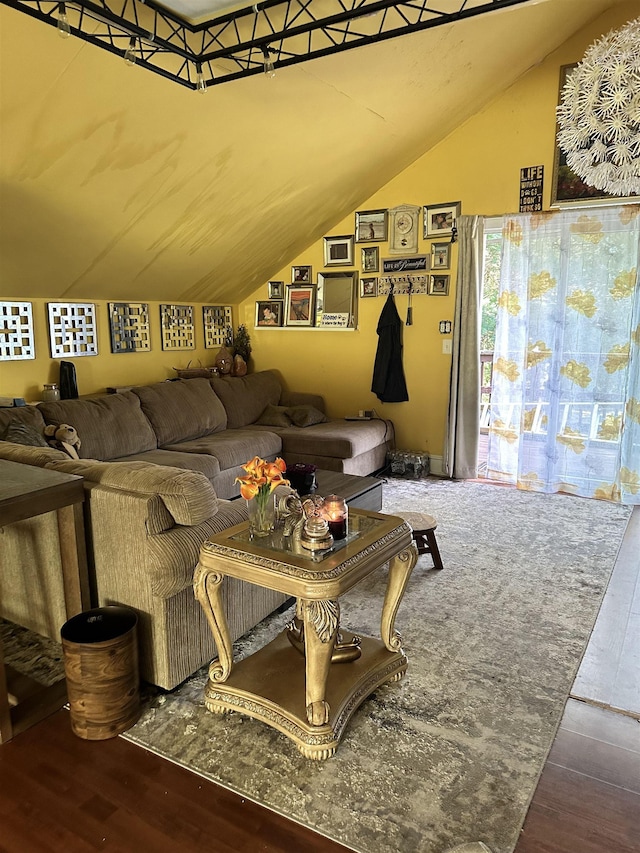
pixel 565 395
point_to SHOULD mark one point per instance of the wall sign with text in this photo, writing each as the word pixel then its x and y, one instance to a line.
pixel 412 264
pixel 531 185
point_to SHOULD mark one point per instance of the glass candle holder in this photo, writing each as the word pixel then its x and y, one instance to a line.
pixel 336 512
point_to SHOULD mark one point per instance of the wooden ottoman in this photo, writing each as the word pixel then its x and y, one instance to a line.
pixel 423 527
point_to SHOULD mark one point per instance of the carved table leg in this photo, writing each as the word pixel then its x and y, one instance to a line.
pixel 207 588
pixel 344 650
pixel 400 568
pixel 321 619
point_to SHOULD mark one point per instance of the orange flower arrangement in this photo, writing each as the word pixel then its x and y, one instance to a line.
pixel 262 478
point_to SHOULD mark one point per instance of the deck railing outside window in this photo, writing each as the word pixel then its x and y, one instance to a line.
pixel 601 421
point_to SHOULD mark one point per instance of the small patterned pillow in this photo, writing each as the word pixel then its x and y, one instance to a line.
pixel 304 416
pixel 21 433
pixel 274 416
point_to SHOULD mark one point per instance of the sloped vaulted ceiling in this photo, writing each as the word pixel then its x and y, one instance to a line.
pixel 118 184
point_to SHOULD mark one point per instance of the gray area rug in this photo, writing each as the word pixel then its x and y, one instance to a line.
pixel 38 657
pixel 452 753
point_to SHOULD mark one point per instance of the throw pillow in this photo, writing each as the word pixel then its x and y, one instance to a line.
pixel 274 416
pixel 304 416
pixel 21 433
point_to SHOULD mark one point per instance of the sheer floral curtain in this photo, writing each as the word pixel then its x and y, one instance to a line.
pixel 565 400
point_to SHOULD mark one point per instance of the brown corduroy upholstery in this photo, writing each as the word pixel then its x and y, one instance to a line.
pixel 149 511
pixel 181 410
pixel 108 426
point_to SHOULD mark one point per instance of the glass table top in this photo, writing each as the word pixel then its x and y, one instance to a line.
pixel 358 526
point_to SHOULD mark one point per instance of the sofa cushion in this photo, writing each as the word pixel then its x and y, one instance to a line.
pixel 28 415
pixel 339 439
pixel 201 462
pixel 305 416
pixel 189 496
pixel 181 409
pixel 109 426
pixel 274 416
pixel 302 398
pixel 246 397
pixel 234 447
pixel 21 433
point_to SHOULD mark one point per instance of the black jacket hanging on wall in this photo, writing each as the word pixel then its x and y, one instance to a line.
pixel 388 383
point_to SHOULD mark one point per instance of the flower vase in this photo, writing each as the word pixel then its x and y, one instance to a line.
pixel 261 515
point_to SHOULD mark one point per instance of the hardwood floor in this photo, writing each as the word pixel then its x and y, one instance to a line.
pixel 608 675
pixel 588 796
pixel 60 793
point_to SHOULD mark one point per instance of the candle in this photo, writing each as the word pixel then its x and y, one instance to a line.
pixel 338 528
pixel 335 511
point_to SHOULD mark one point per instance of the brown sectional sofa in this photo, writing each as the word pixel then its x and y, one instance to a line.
pixel 214 426
pixel 159 464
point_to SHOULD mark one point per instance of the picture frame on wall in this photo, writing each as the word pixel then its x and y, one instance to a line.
pixel 368 287
pixel 300 306
pixel 301 275
pixel 177 326
pixel 370 256
pixel 72 329
pixel 338 251
pixel 129 327
pixel 275 289
pixel 218 325
pixel 269 313
pixel 440 219
pixel 440 256
pixel 439 285
pixel 17 340
pixel 371 226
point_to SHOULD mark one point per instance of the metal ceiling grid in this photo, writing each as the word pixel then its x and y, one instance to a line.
pixel 234 45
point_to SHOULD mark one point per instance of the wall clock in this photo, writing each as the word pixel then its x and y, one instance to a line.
pixel 404 229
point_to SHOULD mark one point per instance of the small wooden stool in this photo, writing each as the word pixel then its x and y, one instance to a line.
pixel 424 536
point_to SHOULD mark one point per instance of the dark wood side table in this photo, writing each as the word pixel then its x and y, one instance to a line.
pixel 27 491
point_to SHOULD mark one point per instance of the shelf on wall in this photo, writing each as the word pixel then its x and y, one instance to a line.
pixel 304 329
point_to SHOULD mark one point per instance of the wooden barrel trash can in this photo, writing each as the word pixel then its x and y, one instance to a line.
pixel 100 649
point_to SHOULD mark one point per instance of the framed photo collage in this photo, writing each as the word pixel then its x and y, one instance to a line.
pixel 303 302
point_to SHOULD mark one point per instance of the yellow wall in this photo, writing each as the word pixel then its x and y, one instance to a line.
pixel 95 373
pixel 478 164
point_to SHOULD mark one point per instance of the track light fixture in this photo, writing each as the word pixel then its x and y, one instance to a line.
pixel 64 30
pixel 130 53
pixel 251 40
pixel 269 67
pixel 201 86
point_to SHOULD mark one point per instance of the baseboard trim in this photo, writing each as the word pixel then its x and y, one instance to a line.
pixel 436 466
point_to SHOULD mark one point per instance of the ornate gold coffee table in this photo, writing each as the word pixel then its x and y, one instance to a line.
pixel 309 680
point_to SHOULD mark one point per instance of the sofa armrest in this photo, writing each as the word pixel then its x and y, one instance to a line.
pixel 28 455
pixel 187 495
pixel 134 559
pixel 174 554
pixel 301 398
